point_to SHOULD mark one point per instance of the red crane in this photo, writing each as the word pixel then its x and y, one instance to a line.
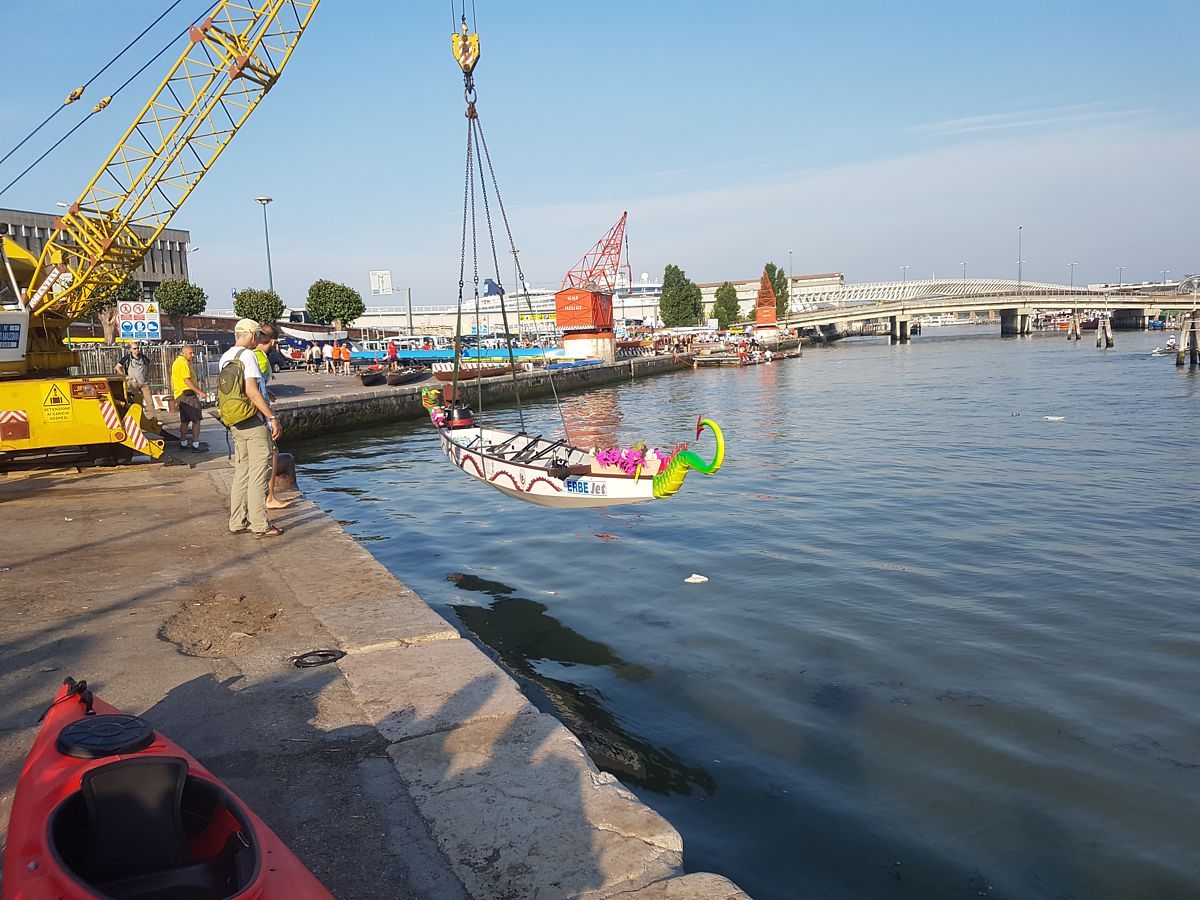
pixel 599 266
pixel 583 305
pixel 764 309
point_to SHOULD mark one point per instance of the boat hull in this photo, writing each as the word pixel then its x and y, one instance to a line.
pixel 535 484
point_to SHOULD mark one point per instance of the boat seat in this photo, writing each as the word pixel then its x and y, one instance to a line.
pixel 134 814
pixel 527 449
pixel 549 448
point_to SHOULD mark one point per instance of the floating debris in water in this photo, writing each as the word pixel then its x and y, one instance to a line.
pixel 695 579
pixel 606 536
pixel 1054 418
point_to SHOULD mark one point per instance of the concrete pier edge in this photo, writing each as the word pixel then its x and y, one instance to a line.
pixel 507 793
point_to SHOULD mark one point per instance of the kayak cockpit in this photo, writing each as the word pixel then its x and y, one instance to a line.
pixel 145 827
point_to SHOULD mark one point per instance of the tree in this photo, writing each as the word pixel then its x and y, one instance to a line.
pixel 726 309
pixel 333 303
pixel 177 299
pixel 779 284
pixel 259 305
pixel 680 303
pixel 128 291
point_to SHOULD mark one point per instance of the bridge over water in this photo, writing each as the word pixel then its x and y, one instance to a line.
pixel 898 302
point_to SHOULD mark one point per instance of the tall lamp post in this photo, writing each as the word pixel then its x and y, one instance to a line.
pixel 1165 273
pixel 267 237
pixel 1073 265
pixel 965 263
pixel 904 274
pixel 1020 258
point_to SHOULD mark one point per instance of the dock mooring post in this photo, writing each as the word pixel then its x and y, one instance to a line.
pixel 1104 335
pixel 1075 329
pixel 1189 339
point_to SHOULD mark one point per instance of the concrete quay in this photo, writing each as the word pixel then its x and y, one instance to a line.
pixel 413 767
pixel 310 405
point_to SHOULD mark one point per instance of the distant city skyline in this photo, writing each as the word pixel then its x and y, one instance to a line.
pixel 860 141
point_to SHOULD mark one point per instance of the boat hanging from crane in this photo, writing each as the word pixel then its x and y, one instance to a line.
pixel 545 471
pixel 233 57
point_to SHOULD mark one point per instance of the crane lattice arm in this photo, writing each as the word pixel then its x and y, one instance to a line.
pixel 233 58
pixel 599 266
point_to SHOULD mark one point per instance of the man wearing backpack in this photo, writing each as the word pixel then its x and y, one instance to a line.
pixel 243 407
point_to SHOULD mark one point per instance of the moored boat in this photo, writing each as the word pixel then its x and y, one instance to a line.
pixel 107 807
pixel 406 376
pixel 372 376
pixel 445 371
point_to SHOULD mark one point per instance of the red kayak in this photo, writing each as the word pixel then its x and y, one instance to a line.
pixel 107 807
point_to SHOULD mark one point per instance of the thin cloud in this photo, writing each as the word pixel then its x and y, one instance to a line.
pixel 1077 114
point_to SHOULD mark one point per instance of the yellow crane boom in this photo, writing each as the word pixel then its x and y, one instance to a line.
pixel 233 58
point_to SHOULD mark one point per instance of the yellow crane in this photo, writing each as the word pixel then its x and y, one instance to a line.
pixel 232 59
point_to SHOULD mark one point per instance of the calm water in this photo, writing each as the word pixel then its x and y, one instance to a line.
pixel 945 650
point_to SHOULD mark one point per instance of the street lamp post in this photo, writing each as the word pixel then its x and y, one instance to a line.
pixel 904 274
pixel 267 237
pixel 964 265
pixel 1165 273
pixel 1020 259
pixel 1073 265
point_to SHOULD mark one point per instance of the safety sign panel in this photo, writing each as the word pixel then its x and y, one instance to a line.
pixel 57 406
pixel 138 321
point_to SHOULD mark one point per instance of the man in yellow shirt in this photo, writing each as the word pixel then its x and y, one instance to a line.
pixel 187 393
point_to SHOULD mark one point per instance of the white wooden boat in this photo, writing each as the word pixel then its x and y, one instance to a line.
pixel 555 473
pixel 541 471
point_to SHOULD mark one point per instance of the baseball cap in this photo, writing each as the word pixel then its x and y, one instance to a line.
pixel 245 326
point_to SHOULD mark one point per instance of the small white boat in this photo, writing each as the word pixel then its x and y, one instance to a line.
pixel 556 473
pixel 1170 350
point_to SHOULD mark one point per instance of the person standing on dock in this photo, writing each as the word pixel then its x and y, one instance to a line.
pixel 187 393
pixel 253 438
pixel 134 367
pixel 327 357
pixel 264 343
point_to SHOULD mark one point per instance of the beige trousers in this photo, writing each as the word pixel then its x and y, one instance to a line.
pixel 252 446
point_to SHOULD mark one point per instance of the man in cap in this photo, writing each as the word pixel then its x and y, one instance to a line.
pixel 253 439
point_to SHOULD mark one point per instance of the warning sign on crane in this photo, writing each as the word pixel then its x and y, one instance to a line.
pixel 57 406
pixel 138 321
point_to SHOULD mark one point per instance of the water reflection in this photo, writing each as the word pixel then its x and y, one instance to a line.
pixel 593 419
pixel 527 639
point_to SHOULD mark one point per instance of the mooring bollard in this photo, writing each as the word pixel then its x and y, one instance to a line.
pixel 1104 336
pixel 1074 329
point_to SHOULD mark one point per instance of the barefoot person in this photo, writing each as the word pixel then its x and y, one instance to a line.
pixel 265 339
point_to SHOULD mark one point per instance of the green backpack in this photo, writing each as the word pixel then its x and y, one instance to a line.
pixel 233 404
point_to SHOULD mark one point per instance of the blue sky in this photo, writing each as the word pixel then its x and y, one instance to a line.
pixel 861 136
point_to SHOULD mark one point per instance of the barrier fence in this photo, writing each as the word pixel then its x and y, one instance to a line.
pixel 103 361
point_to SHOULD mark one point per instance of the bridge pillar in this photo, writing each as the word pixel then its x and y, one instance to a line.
pixel 1024 323
pixel 1189 339
pixel 899 330
pixel 1010 321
